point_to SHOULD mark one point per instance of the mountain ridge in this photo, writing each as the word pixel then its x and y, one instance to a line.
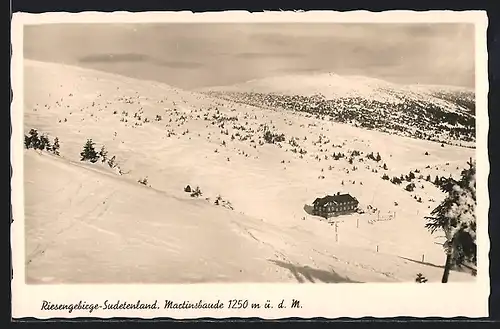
pixel 353 77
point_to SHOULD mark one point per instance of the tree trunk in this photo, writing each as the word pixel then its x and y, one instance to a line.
pixel 447 267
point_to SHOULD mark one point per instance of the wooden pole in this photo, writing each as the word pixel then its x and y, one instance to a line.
pixel 336 237
pixel 357 222
pixel 377 248
pixel 423 258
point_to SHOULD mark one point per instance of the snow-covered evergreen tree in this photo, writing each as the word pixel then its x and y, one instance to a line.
pixel 27 141
pixel 420 278
pixel 456 217
pixel 103 153
pixel 55 146
pixel 33 140
pixel 112 162
pixel 410 187
pixel 89 153
pixel 218 200
pixel 196 192
pixel 44 143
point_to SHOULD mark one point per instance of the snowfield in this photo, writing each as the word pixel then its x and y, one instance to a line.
pixel 86 223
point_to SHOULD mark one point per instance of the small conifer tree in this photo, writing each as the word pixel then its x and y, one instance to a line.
pixel 112 162
pixel 27 141
pixel 34 139
pixel 55 146
pixel 103 153
pixel 410 187
pixel 44 143
pixel 196 193
pixel 420 278
pixel 89 153
pixel 218 200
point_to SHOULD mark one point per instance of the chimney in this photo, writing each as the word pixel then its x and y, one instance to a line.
pixel 338 193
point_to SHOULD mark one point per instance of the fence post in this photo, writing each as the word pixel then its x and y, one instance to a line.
pixel 423 258
pixel 336 237
pixel 357 222
pixel 377 248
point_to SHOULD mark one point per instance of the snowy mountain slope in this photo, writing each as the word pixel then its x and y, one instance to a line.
pixel 85 226
pixel 440 113
pixel 175 138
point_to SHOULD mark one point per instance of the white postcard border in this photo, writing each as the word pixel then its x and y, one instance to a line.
pixel 316 300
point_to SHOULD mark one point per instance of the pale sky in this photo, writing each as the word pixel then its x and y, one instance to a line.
pixel 193 56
